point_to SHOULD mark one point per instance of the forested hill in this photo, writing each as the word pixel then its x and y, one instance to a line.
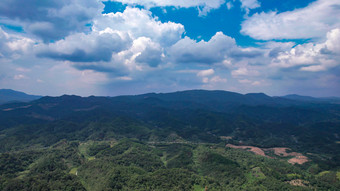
pixel 8 95
pixel 179 137
pixel 196 115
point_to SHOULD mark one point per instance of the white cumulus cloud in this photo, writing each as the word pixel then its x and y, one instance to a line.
pixel 312 57
pixel 11 44
pixel 313 21
pixel 250 4
pixel 206 52
pixel 140 23
pixel 203 5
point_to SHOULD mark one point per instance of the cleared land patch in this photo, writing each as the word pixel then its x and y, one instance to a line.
pixel 255 150
pixel 298 182
pixel 298 158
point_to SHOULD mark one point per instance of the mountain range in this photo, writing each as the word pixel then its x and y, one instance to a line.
pixel 195 136
pixel 8 96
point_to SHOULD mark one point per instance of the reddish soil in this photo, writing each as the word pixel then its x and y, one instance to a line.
pixel 298 158
pixel 280 151
pixel 255 150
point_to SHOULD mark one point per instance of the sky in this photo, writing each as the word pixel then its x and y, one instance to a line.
pixel 124 47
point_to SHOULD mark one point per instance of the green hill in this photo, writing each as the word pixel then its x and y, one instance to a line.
pixel 174 141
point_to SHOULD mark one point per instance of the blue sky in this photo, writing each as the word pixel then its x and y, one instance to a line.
pixel 227 20
pixel 93 47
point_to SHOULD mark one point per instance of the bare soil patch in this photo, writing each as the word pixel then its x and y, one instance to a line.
pixel 226 137
pixel 255 150
pixel 298 182
pixel 298 158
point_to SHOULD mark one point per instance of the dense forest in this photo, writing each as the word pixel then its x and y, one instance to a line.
pixel 191 140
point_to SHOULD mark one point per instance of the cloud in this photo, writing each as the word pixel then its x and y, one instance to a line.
pixel 218 79
pixel 243 71
pixel 102 68
pixel 151 56
pixel 50 20
pixel 333 41
pixel 229 5
pixel 140 23
pixel 250 4
pixel 246 53
pixel 204 6
pixel 315 68
pixel 313 21
pixel 210 52
pixel 134 52
pixel 213 80
pixel 92 47
pixel 204 73
pixel 133 46
pixel 244 81
pixel 19 77
pixel 312 57
pixel 12 45
pixel 141 57
pixel 220 49
pixel 118 43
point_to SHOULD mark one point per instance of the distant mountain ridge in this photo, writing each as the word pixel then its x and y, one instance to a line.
pixel 148 106
pixel 215 99
pixel 8 95
pixel 312 99
pixel 201 97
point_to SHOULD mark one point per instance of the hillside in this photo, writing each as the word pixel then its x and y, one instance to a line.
pixel 7 95
pixel 335 100
pixel 191 140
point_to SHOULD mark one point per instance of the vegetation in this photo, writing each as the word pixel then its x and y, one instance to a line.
pixel 134 165
pixel 167 142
